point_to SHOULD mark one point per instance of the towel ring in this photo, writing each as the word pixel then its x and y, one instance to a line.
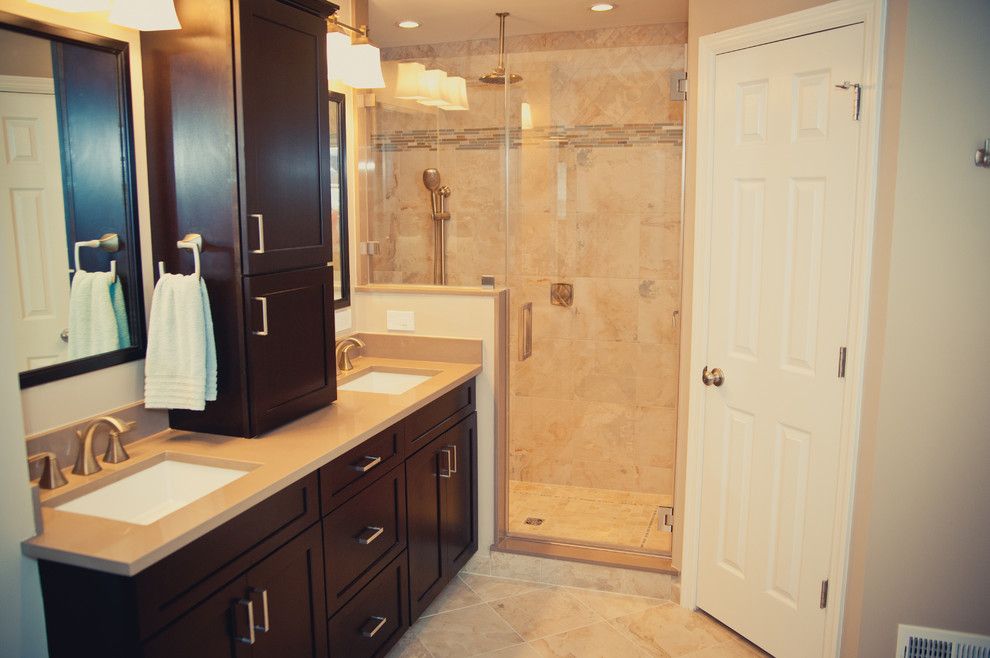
pixel 193 241
pixel 108 242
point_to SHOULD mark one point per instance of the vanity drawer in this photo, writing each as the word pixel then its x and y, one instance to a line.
pixel 362 534
pixel 437 416
pixel 360 466
pixel 372 622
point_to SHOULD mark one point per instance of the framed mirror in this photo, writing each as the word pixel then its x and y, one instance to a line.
pixel 338 201
pixel 69 248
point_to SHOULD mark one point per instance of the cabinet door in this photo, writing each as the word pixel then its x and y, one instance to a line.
pixel 286 590
pixel 210 630
pixel 424 517
pixel 290 345
pixel 460 495
pixel 286 169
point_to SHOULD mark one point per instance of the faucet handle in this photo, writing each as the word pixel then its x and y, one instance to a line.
pixel 51 474
pixel 115 449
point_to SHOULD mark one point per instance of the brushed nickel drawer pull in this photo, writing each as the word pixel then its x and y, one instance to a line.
pixel 369 463
pixel 370 534
pixel 449 472
pixel 453 461
pixel 264 316
pixel 264 626
pixel 247 603
pixel 261 233
pixel 373 625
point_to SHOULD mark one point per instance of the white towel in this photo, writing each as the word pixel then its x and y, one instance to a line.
pixel 93 327
pixel 180 369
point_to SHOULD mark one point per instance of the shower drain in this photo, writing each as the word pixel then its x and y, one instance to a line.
pixel 534 521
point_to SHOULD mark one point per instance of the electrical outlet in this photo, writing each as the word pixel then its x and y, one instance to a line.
pixel 400 320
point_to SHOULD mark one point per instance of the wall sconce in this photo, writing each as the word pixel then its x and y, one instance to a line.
pixel 526 116
pixel 454 94
pixel 357 64
pixel 431 87
pixel 145 15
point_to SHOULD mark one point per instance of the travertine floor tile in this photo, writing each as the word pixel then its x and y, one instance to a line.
pixel 465 632
pixel 455 596
pixel 544 612
pixel 490 588
pixel 517 651
pixel 409 647
pixel 672 630
pixel 596 641
pixel 612 606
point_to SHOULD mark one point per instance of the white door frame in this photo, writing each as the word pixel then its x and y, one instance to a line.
pixel 871 13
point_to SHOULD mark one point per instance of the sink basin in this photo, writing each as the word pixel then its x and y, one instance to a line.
pixel 147 494
pixel 389 382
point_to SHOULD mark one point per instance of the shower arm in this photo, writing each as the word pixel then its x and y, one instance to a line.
pixel 501 40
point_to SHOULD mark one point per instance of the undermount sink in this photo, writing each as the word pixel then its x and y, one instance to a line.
pixel 148 493
pixel 389 382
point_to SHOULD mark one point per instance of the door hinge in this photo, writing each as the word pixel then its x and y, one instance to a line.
pixel 665 518
pixel 678 85
pixel 857 96
pixel 842 363
pixel 823 601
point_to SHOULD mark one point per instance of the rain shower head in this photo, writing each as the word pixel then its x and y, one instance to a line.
pixel 497 75
pixel 431 179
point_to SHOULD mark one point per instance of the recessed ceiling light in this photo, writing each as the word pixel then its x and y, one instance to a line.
pixel 602 6
pixel 408 25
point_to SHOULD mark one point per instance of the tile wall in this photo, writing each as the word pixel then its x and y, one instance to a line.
pixel 593 199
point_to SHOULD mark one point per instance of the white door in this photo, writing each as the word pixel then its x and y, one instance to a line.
pixel 785 154
pixel 32 227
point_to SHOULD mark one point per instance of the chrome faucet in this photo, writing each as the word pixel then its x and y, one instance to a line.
pixel 86 463
pixel 344 347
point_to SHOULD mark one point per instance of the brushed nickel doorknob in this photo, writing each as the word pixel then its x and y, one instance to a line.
pixel 714 376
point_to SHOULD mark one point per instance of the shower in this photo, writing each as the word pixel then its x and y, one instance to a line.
pixel 497 75
pixel 438 198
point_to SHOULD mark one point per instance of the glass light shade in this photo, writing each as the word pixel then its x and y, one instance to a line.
pixel 526 112
pixel 407 81
pixel 74 5
pixel 338 47
pixel 145 15
pixel 364 68
pixel 455 93
pixel 432 84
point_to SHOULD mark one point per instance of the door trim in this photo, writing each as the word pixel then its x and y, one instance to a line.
pixel 871 14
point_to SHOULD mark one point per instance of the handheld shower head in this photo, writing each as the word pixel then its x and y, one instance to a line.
pixel 431 179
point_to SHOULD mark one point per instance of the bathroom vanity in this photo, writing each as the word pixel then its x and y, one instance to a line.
pixel 348 524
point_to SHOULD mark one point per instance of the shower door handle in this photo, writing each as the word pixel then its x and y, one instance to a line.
pixel 526 331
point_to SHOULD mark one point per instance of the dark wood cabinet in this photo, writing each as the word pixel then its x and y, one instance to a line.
pixel 338 563
pixel 238 151
pixel 442 511
pixel 286 138
pixel 276 609
pixel 290 345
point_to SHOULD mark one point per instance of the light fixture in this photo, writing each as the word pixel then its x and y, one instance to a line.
pixel 145 15
pixel 455 94
pixel 526 116
pixel 432 86
pixel 602 6
pixel 407 83
pixel 408 25
pixel 359 64
pixel 74 5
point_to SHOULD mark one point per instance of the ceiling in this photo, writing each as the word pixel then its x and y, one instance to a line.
pixel 463 20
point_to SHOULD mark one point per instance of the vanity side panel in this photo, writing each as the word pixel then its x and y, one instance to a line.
pixel 193 155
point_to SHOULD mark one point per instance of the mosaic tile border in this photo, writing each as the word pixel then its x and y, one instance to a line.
pixel 493 138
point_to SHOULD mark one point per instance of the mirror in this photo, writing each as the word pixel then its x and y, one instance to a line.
pixel 69 248
pixel 338 201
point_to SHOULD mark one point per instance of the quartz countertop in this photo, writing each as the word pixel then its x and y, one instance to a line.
pixel 277 459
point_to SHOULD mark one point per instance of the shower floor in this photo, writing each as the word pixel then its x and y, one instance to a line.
pixel 601 517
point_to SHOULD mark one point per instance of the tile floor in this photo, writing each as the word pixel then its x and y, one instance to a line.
pixel 503 618
pixel 603 517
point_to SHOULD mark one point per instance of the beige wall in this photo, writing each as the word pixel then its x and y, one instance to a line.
pixel 922 534
pixel 25 55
